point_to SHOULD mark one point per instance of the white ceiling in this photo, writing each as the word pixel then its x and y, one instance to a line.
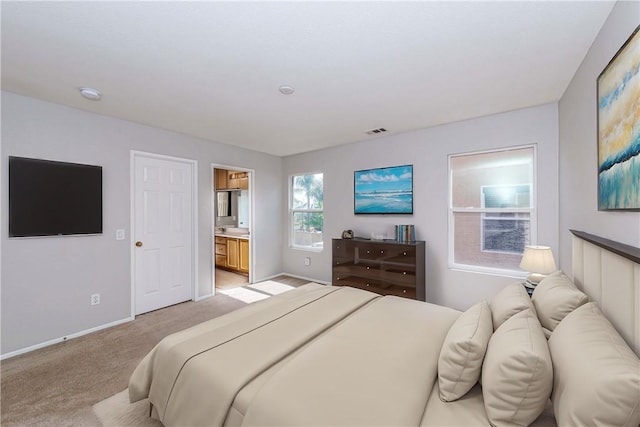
pixel 212 69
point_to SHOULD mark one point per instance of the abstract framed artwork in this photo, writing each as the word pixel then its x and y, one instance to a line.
pixel 618 94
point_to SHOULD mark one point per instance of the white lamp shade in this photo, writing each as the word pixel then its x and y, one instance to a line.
pixel 538 259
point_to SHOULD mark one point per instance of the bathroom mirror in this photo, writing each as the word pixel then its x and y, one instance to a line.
pixel 223 204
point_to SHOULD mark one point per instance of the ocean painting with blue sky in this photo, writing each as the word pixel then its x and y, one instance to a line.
pixel 619 129
pixel 384 190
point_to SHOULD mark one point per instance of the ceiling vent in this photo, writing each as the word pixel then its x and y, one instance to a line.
pixel 375 131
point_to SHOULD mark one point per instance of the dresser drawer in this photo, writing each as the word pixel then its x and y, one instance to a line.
pixel 376 286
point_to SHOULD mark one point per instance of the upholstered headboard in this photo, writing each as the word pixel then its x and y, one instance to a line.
pixel 609 272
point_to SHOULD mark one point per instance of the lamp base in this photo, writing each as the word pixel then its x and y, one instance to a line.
pixel 534 278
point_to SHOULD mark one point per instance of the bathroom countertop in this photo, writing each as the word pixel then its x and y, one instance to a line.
pixel 232 235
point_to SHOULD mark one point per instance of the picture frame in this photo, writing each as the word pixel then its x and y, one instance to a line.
pixel 618 127
pixel 383 191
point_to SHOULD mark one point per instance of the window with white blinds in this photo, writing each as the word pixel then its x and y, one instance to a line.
pixel 491 209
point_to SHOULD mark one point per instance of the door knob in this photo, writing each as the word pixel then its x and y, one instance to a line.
pixel 139 244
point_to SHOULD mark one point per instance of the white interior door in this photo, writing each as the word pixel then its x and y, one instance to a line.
pixel 163 232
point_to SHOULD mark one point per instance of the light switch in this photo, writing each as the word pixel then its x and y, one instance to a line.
pixel 120 234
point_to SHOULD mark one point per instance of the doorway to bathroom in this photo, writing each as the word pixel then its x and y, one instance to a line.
pixel 232 226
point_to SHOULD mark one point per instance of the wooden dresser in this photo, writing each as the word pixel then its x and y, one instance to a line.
pixel 386 267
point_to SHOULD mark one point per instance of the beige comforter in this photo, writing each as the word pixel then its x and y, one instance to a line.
pixel 313 356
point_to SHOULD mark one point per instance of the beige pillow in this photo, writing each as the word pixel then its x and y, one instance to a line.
pixel 510 300
pixel 596 374
pixel 462 353
pixel 517 373
pixel 554 298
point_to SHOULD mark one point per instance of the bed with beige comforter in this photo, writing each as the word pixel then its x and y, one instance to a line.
pixel 314 356
pixel 337 356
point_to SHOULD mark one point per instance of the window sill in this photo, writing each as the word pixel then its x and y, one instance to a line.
pixel 306 248
pixel 516 274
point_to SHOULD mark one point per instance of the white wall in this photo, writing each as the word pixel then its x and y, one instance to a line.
pixel 427 150
pixel 578 143
pixel 47 282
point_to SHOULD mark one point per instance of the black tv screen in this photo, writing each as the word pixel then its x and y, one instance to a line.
pixel 48 198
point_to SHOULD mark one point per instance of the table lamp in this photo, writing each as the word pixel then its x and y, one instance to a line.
pixel 538 261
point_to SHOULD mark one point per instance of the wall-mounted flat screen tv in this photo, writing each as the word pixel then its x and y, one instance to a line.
pixel 48 198
pixel 384 190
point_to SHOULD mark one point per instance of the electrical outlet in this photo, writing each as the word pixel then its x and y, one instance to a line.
pixel 120 234
pixel 307 261
pixel 95 299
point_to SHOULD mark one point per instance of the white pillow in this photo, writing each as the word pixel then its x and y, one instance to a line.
pixel 510 300
pixel 462 353
pixel 596 375
pixel 554 298
pixel 517 373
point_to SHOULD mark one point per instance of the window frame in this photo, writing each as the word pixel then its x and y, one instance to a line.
pixel 293 211
pixel 532 211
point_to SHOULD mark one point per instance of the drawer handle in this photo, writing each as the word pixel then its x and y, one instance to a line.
pixel 404 291
pixel 381 252
pixel 367 267
pixel 367 284
pixel 368 252
pixel 404 253
pixel 404 272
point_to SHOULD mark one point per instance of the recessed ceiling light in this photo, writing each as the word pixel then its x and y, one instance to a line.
pixel 89 93
pixel 286 90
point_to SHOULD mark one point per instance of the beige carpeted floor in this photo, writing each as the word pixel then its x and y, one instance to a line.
pixel 58 385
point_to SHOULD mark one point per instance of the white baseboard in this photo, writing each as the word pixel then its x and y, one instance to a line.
pixel 63 339
pixel 200 298
pixel 322 282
